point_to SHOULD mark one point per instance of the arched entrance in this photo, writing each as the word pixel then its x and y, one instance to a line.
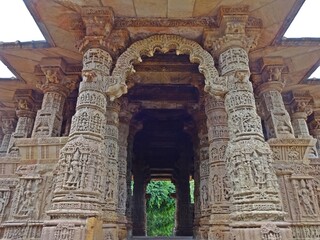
pixel 164 43
pixel 167 76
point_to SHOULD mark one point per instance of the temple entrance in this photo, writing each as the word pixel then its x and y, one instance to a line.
pixel 163 153
pixel 164 81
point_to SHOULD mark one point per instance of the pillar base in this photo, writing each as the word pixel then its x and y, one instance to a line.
pixel 260 230
pixel 73 229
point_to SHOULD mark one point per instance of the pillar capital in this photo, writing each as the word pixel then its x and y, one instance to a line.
pixel 300 109
pixel 55 78
pixel 97 26
pixel 8 122
pixel 27 102
pixel 271 76
pixel 236 29
pixel 314 124
pixel 300 103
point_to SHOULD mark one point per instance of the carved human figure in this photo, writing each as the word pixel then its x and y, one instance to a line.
pixel 305 198
pixel 74 170
pixel 23 104
pixel 51 76
pixel 26 201
pixel 109 184
pixel 204 196
pixel 217 188
pixel 258 170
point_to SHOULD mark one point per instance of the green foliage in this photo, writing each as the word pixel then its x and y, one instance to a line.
pixel 192 191
pixel 160 208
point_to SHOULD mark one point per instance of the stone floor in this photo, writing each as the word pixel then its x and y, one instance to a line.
pixel 162 238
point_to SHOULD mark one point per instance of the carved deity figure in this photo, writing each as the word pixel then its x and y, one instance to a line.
pixel 52 76
pixel 204 196
pixel 275 74
pixel 74 170
pixel 26 201
pixel 217 189
pixel 110 184
pixel 305 198
pixel 23 104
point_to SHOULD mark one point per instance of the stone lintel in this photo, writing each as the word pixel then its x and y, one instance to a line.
pixel 49 62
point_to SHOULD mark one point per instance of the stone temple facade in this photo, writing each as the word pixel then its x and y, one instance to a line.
pixel 134 90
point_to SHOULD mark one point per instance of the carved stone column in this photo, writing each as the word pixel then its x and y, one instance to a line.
pixel 112 161
pixel 82 181
pixel 300 109
pixel 8 126
pixel 124 125
pixel 26 102
pixel 133 129
pixel 219 182
pixel 56 86
pixel 183 224
pixel 275 115
pixel 86 181
pixel 202 174
pixel 256 211
pixel 139 215
pixel 248 156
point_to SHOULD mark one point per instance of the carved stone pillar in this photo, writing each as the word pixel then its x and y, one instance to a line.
pixel 219 182
pixel 254 190
pixel 275 115
pixel 300 109
pixel 183 224
pixel 112 163
pixel 56 86
pixel 248 156
pixel 197 204
pixel 202 175
pixel 134 128
pixel 87 172
pixel 26 102
pixel 8 126
pixel 139 215
pixel 84 177
pixel 124 126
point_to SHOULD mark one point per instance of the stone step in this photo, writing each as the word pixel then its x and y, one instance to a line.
pixel 162 238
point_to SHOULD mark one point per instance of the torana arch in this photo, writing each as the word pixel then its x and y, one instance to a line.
pixel 214 84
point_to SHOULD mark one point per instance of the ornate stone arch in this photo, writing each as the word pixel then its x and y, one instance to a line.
pixel 116 83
